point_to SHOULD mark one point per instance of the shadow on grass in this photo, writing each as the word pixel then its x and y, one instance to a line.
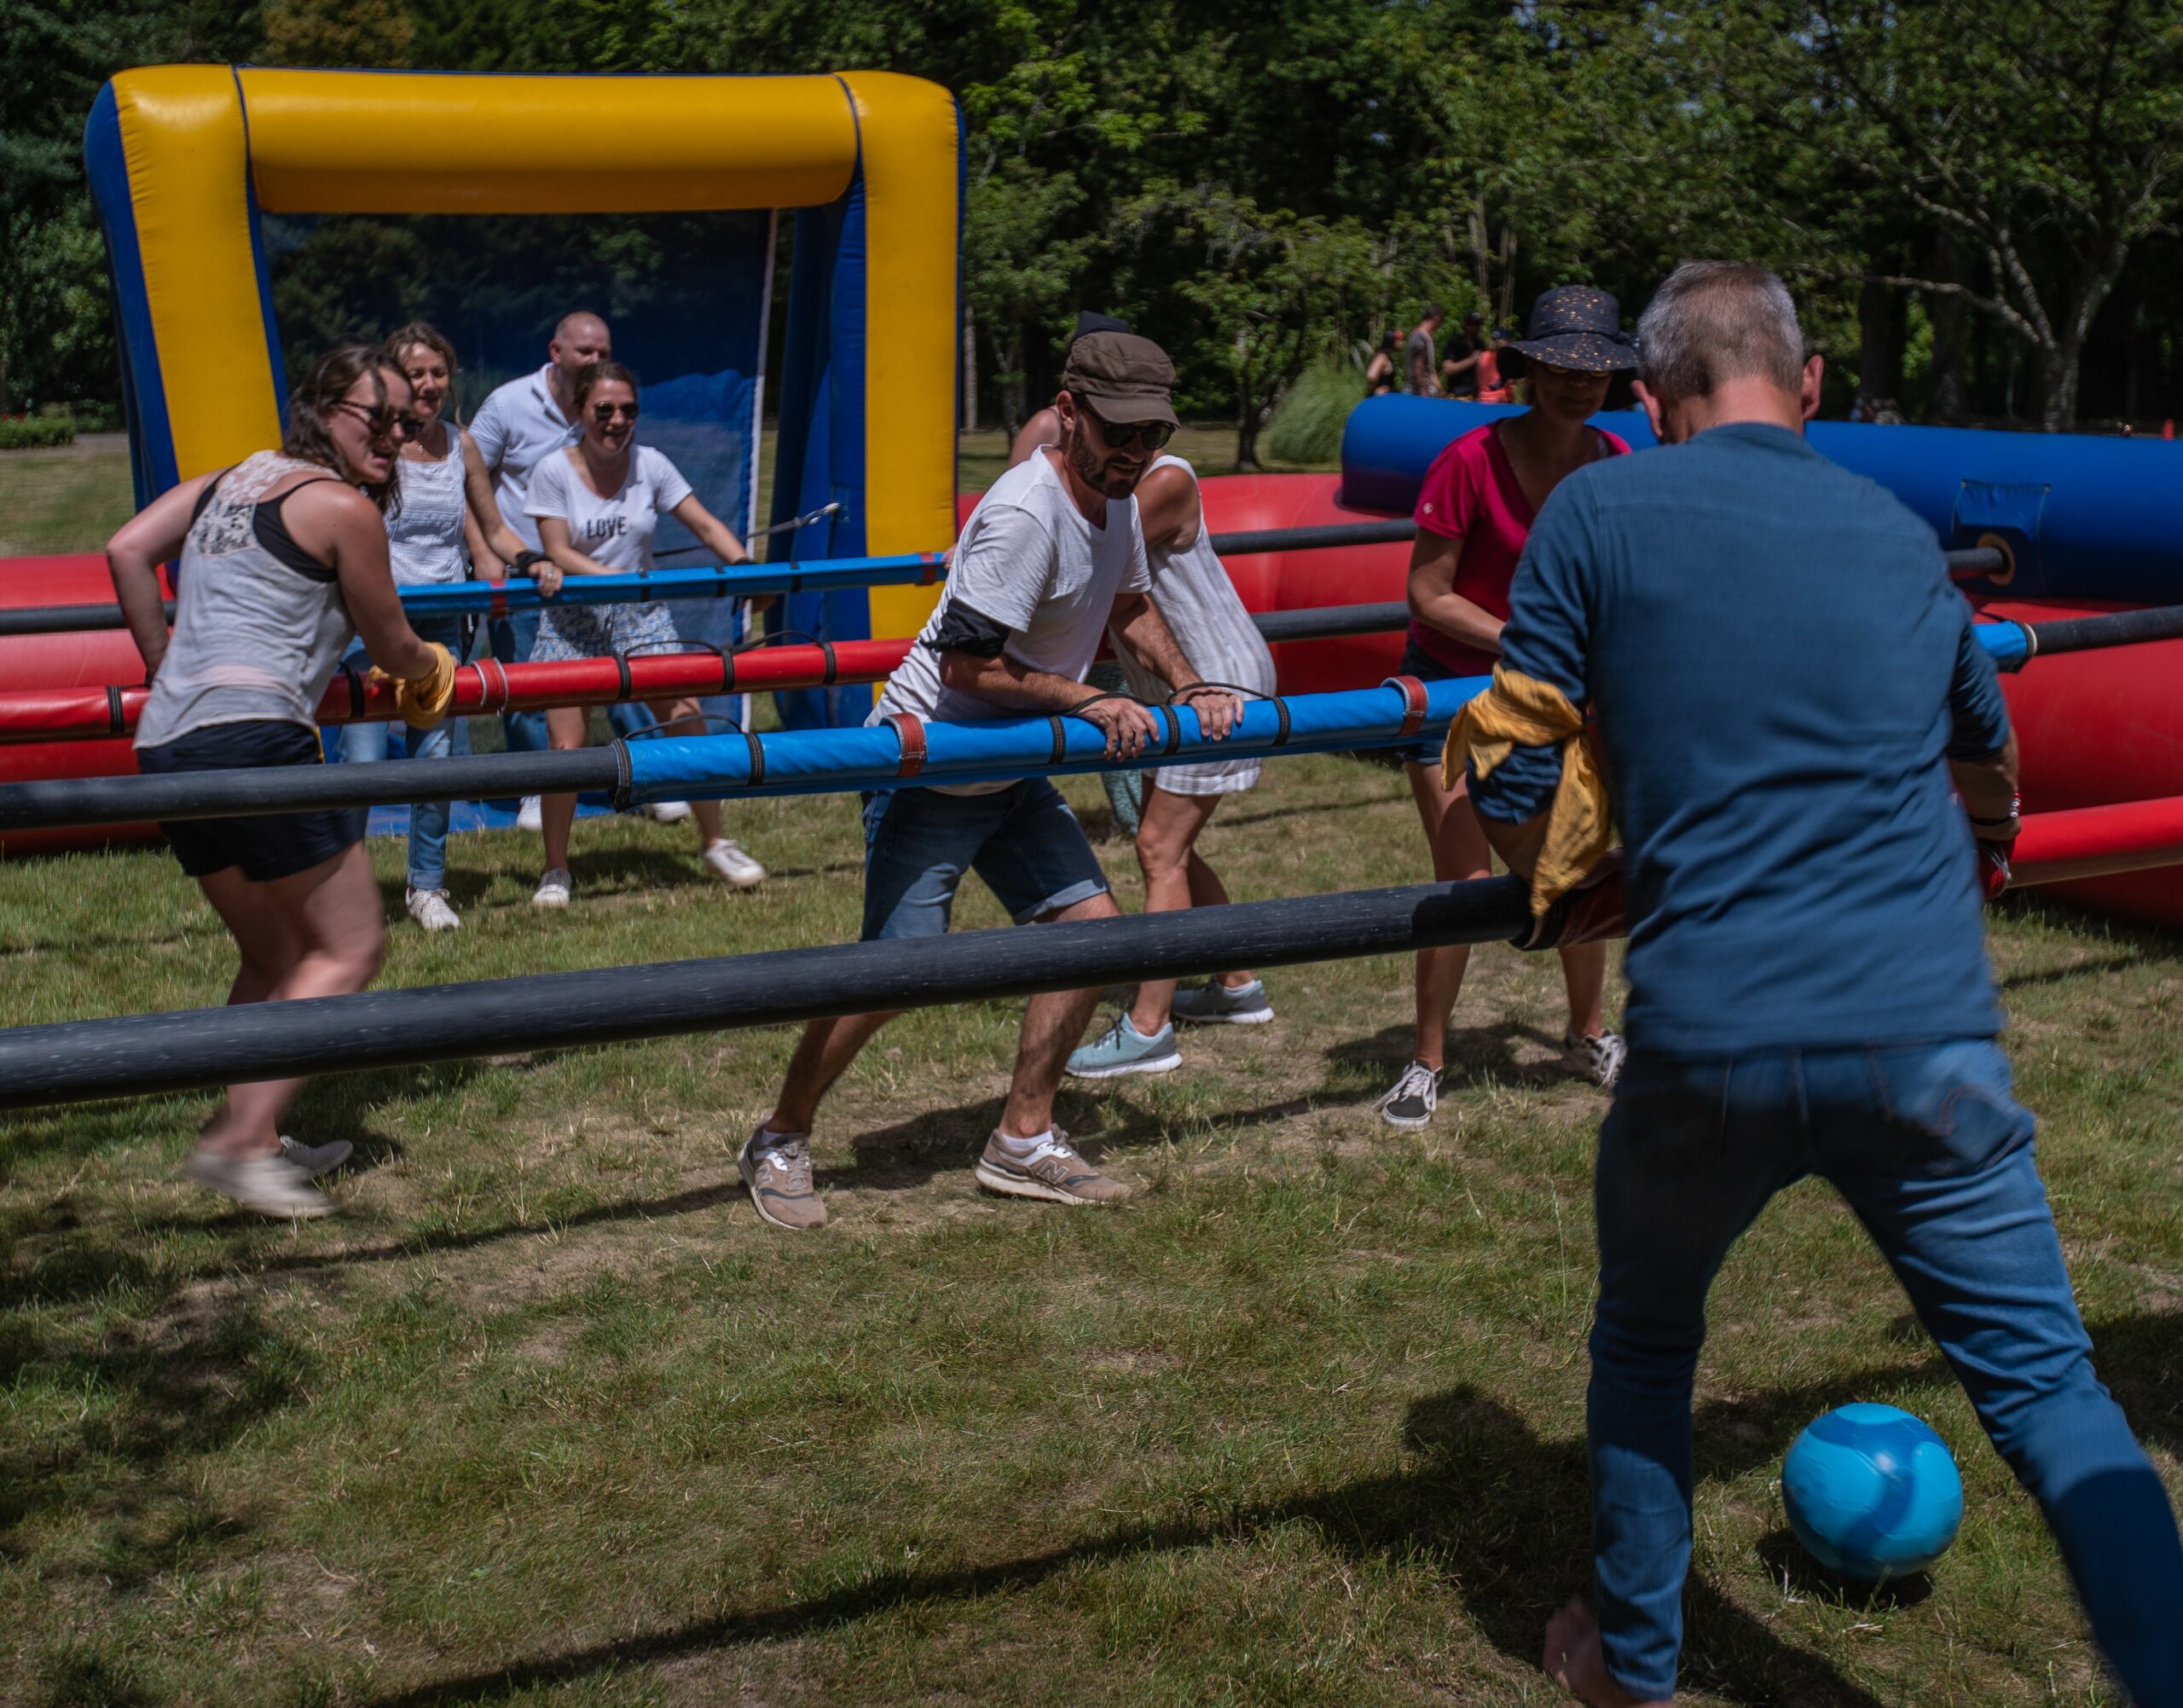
pixel 1502 1516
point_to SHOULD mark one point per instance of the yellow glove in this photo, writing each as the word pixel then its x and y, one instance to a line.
pixel 423 700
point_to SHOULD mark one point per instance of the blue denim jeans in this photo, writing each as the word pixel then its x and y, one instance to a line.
pixel 1022 840
pixel 1934 1155
pixel 363 742
pixel 511 639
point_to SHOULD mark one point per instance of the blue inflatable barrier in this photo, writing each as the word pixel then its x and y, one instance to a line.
pixel 742 580
pixel 831 761
pixel 2083 518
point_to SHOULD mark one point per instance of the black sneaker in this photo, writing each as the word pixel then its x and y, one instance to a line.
pixel 1415 1096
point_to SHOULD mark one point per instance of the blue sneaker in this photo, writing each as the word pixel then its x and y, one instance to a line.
pixel 1122 1049
pixel 1212 1002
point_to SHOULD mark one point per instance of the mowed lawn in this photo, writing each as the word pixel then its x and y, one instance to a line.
pixel 549 1416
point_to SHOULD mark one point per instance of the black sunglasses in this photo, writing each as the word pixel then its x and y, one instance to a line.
pixel 385 422
pixel 1121 437
pixel 608 412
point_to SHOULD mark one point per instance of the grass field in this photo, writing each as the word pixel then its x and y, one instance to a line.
pixel 549 1416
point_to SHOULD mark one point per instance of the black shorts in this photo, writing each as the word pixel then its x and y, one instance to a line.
pixel 278 846
pixel 1421 664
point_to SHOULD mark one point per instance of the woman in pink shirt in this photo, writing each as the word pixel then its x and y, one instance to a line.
pixel 1475 511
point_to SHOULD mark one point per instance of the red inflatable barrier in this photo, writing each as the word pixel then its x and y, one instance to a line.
pixel 2092 841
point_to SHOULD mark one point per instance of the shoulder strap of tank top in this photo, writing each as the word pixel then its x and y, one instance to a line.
pixel 205 496
pixel 272 533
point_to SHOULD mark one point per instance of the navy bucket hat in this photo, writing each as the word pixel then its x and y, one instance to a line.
pixel 1577 327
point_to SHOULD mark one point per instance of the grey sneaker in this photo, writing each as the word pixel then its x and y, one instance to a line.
pixel 1414 1098
pixel 316 1160
pixel 1213 1003
pixel 271 1186
pixel 1053 1171
pixel 779 1174
pixel 1598 1059
pixel 1122 1049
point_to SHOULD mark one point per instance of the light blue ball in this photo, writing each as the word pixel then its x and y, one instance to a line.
pixel 1872 1492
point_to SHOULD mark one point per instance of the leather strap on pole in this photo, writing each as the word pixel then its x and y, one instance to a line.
pixel 909 730
pixel 1414 703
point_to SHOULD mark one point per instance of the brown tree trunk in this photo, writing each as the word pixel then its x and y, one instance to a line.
pixel 1879 365
pixel 969 367
pixel 1247 406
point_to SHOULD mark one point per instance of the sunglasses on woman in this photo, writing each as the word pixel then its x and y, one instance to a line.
pixel 383 423
pixel 603 412
pixel 1121 435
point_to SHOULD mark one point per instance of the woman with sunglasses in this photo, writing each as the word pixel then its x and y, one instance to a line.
pixel 446 522
pixel 283 558
pixel 1475 511
pixel 598 503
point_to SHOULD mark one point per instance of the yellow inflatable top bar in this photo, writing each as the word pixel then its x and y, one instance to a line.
pixel 344 142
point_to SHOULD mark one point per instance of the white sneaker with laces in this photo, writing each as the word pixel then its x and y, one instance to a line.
pixel 1410 1102
pixel 316 1160
pixel 726 860
pixel 530 815
pixel 429 908
pixel 271 1186
pixel 1598 1059
pixel 666 812
pixel 553 889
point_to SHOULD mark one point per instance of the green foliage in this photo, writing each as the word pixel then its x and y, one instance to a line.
pixel 18 433
pixel 1307 423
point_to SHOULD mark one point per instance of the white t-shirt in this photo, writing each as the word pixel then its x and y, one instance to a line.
pixel 517 428
pixel 615 530
pixel 1029 560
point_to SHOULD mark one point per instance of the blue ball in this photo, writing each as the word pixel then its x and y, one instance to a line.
pixel 1872 1492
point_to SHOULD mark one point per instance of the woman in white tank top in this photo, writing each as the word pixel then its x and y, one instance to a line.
pixel 447 521
pixel 280 556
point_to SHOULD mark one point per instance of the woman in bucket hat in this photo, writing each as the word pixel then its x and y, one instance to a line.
pixel 1475 511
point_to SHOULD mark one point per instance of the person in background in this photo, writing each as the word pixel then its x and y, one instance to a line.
pixel 1191 590
pixel 1421 361
pixel 1474 511
pixel 1494 385
pixel 1383 374
pixel 1808 987
pixel 282 559
pixel 1459 362
pixel 515 428
pixel 445 523
pixel 597 504
pixel 1050 559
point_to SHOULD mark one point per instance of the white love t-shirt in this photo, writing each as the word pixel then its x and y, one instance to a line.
pixel 616 531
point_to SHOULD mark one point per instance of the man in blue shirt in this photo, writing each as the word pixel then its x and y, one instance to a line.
pixel 1791 703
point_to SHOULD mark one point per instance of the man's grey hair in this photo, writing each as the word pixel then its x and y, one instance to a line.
pixel 1711 321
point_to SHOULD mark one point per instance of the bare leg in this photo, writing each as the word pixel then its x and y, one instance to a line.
pixel 1573 1661
pixel 568 727
pixel 334 911
pixel 1206 890
pixel 1583 971
pixel 822 1055
pixel 1166 839
pixel 268 948
pixel 1459 852
pixel 686 717
pixel 1053 1025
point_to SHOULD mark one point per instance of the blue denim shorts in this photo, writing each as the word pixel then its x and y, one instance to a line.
pixel 1021 840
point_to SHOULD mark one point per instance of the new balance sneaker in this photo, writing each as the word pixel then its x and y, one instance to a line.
pixel 1414 1098
pixel 271 1186
pixel 1598 1059
pixel 528 815
pixel 429 908
pixel 726 860
pixel 666 812
pixel 316 1160
pixel 553 889
pixel 1122 1049
pixel 1215 1003
pixel 1047 1168
pixel 777 1168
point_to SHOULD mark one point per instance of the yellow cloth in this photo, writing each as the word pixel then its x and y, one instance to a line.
pixel 1521 711
pixel 423 700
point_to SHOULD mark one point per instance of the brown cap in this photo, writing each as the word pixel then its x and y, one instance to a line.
pixel 1123 377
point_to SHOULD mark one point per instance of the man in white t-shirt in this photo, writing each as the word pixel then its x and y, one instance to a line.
pixel 515 428
pixel 1051 556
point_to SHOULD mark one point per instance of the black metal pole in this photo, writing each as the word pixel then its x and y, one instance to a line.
pixel 67 619
pixel 1324 623
pixel 2113 629
pixel 141 1055
pixel 1319 537
pixel 1971 562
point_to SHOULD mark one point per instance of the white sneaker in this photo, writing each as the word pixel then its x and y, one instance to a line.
pixel 530 816
pixel 1598 1059
pixel 429 908
pixel 316 1160
pixel 666 812
pixel 726 860
pixel 553 888
pixel 271 1186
